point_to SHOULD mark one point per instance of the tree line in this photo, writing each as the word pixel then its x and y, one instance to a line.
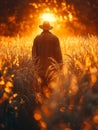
pixel 13 13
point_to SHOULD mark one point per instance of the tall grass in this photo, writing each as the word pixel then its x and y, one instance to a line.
pixel 68 101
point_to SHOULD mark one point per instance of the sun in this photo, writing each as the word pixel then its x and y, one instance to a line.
pixel 48 17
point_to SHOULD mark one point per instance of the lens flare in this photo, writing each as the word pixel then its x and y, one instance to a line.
pixel 48 17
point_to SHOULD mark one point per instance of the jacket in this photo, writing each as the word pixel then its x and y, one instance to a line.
pixel 46 45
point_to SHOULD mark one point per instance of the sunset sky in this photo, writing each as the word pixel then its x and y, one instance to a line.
pixel 76 16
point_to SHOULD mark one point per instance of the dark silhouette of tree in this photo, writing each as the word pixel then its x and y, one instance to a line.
pixel 86 12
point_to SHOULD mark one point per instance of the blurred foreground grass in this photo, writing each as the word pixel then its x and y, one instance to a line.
pixel 70 99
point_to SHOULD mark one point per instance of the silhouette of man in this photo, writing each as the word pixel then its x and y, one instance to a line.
pixel 46 45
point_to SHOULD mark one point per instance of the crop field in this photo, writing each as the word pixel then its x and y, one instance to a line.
pixel 69 101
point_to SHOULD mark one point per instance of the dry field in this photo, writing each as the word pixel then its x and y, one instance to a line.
pixel 70 99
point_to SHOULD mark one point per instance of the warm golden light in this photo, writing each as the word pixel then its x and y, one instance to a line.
pixel 70 17
pixel 37 115
pixel 48 17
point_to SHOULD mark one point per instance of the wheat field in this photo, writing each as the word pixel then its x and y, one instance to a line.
pixel 70 99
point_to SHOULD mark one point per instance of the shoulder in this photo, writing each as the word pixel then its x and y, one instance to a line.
pixel 37 37
pixel 54 37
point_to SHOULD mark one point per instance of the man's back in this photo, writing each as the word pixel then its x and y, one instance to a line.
pixel 46 45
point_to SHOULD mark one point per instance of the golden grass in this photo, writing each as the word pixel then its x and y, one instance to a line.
pixel 66 88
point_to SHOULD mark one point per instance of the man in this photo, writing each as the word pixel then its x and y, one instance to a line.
pixel 45 45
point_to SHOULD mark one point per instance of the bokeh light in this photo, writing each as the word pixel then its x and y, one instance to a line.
pixel 48 17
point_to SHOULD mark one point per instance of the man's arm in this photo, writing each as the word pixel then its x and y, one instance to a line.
pixel 58 53
pixel 34 49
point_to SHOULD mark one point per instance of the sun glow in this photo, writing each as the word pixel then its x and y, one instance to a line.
pixel 48 17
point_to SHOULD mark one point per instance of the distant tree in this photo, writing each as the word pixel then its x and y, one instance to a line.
pixel 84 12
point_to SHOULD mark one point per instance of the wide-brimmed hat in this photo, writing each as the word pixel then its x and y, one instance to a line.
pixel 46 26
